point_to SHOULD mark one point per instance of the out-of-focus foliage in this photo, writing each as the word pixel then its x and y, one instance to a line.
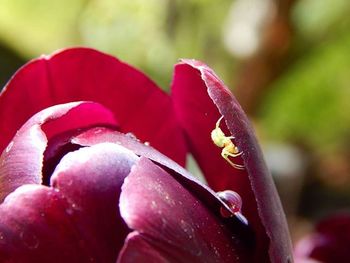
pixel 310 103
pixel 34 27
pixel 132 30
pixel 314 18
pixel 151 34
pixel 10 61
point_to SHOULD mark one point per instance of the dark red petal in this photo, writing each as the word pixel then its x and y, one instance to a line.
pixel 76 221
pixel 137 249
pixel 171 219
pixel 21 162
pixel 202 192
pixel 329 243
pixel 37 227
pixel 78 74
pixel 91 178
pixel 200 98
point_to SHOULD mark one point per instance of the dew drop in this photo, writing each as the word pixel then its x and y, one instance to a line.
pixel 30 240
pixel 233 200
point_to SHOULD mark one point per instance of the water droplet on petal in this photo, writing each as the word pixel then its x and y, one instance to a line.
pixel 30 240
pixel 233 200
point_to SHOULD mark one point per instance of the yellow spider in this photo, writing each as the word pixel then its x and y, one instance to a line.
pixel 224 142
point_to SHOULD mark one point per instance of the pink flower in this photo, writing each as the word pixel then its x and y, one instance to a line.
pixel 79 182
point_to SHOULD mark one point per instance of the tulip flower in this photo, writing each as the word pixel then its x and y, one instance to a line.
pixel 93 168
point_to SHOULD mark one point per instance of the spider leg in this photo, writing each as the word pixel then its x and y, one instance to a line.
pixel 233 154
pixel 225 154
pixel 218 122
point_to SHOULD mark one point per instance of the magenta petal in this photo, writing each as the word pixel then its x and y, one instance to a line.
pixel 137 249
pixel 36 227
pixel 76 221
pixel 22 160
pixel 171 219
pixel 80 74
pixel 90 179
pixel 200 98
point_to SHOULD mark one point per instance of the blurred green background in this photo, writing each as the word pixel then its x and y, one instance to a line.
pixel 287 61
